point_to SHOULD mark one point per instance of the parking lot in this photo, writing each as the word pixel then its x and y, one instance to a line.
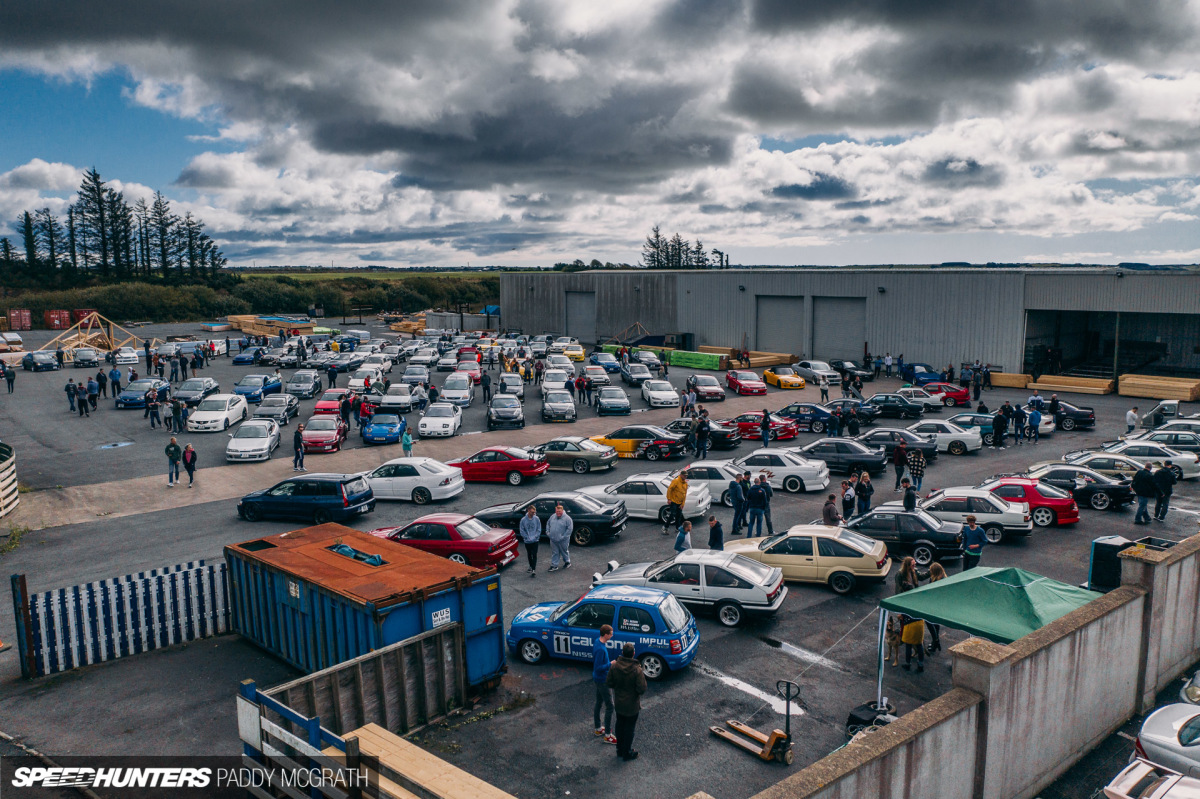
pixel 541 743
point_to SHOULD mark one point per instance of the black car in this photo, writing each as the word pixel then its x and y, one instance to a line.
pixel 1086 486
pixel 318 360
pixel 981 421
pixel 853 369
pixel 304 384
pixel 39 362
pixel 558 406
pixel 319 498
pixel 895 406
pixel 279 407
pixel 505 411
pixel 867 413
pixel 288 360
pixel 719 436
pixel 346 361
pixel 612 400
pixel 890 437
pixel 85 358
pixel 1072 417
pixel 593 519
pixel 913 533
pixel 846 455
pixel 707 388
pixel 194 389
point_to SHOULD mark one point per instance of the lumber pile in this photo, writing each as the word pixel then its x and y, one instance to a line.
pixel 262 326
pixel 711 350
pixel 1074 385
pixel 1010 380
pixel 1176 388
pixel 758 359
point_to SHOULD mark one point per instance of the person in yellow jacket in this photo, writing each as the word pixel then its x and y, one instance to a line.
pixel 676 496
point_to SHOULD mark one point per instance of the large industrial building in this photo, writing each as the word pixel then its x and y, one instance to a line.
pixel 1102 318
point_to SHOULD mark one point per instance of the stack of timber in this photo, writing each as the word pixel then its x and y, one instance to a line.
pixel 410 324
pixel 1074 385
pixel 1010 380
pixel 1176 388
pixel 758 360
pixel 267 326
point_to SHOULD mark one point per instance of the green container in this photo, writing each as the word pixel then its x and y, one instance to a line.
pixel 692 360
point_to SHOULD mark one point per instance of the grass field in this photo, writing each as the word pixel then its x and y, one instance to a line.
pixel 393 274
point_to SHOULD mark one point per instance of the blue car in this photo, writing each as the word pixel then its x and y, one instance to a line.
pixel 920 373
pixel 808 416
pixel 607 360
pixel 40 361
pixel 384 428
pixel 248 356
pixel 255 387
pixel 319 498
pixel 662 631
pixel 134 394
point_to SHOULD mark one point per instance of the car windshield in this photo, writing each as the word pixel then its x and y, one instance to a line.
pixel 192 385
pixel 849 365
pixel 1189 733
pixel 398 391
pixel 321 424
pixel 415 371
pixel 385 418
pixel 511 378
pixel 472 528
pixel 929 520
pixel 364 374
pixel 331 396
pixel 211 405
pixel 554 376
pixel 251 431
pixel 271 402
pixel 606 357
pixel 589 504
pixel 750 570
pixel 558 397
pixel 673 614
pixel 440 411
pixel 853 539
pixel 140 385
pixel 457 383
pixel 745 375
pixel 505 402
pixel 706 380
pixel 426 353
pixel 784 370
pixel 299 378
pixel 612 393
pixel 250 380
pixel 85 353
pixel 659 385
pixel 820 365
pixel 638 369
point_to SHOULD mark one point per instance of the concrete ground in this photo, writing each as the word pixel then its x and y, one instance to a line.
pixel 115 515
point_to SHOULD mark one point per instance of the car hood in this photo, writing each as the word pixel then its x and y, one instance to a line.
pixel 247 444
pixel 629 573
pixel 438 421
pixel 187 393
pixel 318 435
pixel 614 401
pixel 509 413
pixel 494 511
pixel 381 429
pixel 247 389
pixel 663 394
pixel 538 613
pixel 455 392
pixel 132 394
pixel 206 416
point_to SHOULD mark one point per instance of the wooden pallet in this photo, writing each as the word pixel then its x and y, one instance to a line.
pixel 1068 389
pixel 1076 385
pixel 1010 380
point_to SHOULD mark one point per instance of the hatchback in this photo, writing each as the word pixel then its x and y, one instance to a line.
pixel 319 498
pixel 814 553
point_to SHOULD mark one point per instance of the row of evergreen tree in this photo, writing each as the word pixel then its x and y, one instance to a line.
pixel 105 237
pixel 660 252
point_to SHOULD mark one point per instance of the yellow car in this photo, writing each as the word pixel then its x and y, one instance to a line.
pixel 814 553
pixel 783 377
pixel 643 441
pixel 574 352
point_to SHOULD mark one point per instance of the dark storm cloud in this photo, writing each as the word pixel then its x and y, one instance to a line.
pixel 963 173
pixel 822 187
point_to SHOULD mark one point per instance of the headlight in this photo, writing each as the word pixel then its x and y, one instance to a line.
pixel 1192 692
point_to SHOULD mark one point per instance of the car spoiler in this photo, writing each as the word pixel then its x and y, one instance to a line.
pixel 596 576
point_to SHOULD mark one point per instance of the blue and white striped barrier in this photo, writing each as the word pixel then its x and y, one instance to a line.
pixel 71 627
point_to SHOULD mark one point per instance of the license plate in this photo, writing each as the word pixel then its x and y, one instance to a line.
pixel 363 509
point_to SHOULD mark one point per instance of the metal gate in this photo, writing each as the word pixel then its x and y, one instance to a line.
pixel 581 316
pixel 839 327
pixel 779 325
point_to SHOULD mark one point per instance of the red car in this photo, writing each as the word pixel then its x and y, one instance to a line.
pixel 471 368
pixel 749 424
pixel 457 536
pixel 324 433
pixel 1048 505
pixel 948 393
pixel 499 464
pixel 331 401
pixel 470 353
pixel 743 381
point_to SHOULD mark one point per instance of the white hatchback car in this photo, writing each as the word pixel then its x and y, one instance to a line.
pixel 379 361
pixel 126 356
pixel 786 470
pixel 217 412
pixel 362 378
pixel 441 419
pixel 254 441
pixel 645 496
pixel 999 518
pixel 950 437
pixel 425 357
pixel 420 480
pixel 660 394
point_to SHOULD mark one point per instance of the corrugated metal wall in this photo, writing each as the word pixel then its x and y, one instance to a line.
pixel 1150 292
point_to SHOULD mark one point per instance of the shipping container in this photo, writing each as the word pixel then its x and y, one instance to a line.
pixel 322 595
pixel 20 319
pixel 58 320
pixel 80 313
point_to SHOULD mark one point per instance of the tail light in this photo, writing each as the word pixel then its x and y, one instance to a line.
pixel 492 548
pixel 345 498
pixel 879 563
pixel 445 482
pixel 676 646
pixel 1137 748
pixel 1027 516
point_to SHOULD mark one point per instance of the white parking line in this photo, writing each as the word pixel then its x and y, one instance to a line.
pixel 804 656
pixel 775 702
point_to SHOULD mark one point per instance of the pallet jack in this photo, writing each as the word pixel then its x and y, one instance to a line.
pixel 777 745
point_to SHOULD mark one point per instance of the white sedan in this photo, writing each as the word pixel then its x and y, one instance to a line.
pixel 217 412
pixel 459 390
pixel 420 480
pixel 950 437
pixel 923 398
pixel 447 362
pixel 441 419
pixel 425 357
pixel 786 470
pixel 381 362
pixel 126 356
pixel 645 495
pixel 364 377
pixel 253 441
pixel 554 380
pixel 717 476
pixel 659 394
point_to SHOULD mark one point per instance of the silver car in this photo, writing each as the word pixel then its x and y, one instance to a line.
pixel 511 383
pixel 813 371
pixel 1170 736
pixel 255 440
pixel 397 399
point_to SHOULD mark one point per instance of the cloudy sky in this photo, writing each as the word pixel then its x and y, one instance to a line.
pixel 534 131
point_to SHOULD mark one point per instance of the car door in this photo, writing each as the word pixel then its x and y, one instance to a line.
pixel 984 510
pixel 635 621
pixel 633 493
pixel 881 526
pixel 557 454
pixel 953 509
pixel 682 580
pixel 477 465
pixel 833 555
pixel 278 500
pixel 438 540
pixel 383 481
pixel 721 584
pixel 582 628
pixel 794 557
pixel 828 452
pixel 405 478
pixel 1012 493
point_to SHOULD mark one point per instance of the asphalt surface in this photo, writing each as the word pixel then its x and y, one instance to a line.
pixel 541 742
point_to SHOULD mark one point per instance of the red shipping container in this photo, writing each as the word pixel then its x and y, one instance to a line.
pixel 79 313
pixel 58 320
pixel 20 319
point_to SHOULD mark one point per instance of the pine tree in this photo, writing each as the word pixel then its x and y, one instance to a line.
pixel 162 222
pixel 699 256
pixel 29 236
pixel 71 267
pixel 94 211
pixel 654 250
pixel 676 250
pixel 50 236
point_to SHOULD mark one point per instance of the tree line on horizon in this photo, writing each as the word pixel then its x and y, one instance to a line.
pixel 676 252
pixel 105 237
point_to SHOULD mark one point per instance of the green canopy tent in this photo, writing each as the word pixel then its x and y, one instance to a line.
pixel 1000 605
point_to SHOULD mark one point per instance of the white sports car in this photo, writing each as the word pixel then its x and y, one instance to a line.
pixel 254 441
pixel 786 470
pixel 950 437
pixel 381 362
pixel 923 398
pixel 126 356
pixel 717 476
pixel 217 412
pixel 645 495
pixel 441 419
pixel 420 480
pixel 660 394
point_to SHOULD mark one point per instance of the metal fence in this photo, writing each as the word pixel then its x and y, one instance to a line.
pixel 10 495
pixel 76 626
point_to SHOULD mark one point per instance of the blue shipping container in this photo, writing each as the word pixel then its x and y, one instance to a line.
pixel 323 595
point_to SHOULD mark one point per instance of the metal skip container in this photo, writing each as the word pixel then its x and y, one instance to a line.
pixel 322 595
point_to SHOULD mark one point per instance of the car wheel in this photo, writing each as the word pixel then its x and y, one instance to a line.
pixel 532 652
pixel 988 438
pixel 1043 517
pixel 957 448
pixel 582 536
pixel 1100 501
pixel 817 427
pixel 1068 424
pixel 421 496
pixel 226 427
pixel 841 582
pixel 653 666
pixel 245 411
pixel 664 514
pixel 993 534
pixel 726 500
pixel 856 468
pixel 793 485
pixel 923 554
pixel 320 516
pixel 653 454
pixel 1177 471
pixel 515 478
pixel 581 466
pixel 459 558
pixel 950 402
pixel 251 513
pixel 729 614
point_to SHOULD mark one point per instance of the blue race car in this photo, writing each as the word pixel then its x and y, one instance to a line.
pixel 662 631
pixel 39 361
pixel 255 387
pixel 920 373
pixel 808 416
pixel 247 357
pixel 384 428
pixel 134 394
pixel 607 360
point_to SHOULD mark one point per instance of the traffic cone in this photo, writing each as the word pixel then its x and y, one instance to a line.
pixel 4 646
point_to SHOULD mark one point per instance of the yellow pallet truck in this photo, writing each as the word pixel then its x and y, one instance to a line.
pixel 776 746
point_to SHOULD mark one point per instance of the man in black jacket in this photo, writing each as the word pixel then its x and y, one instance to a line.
pixel 716 536
pixel 910 495
pixel 999 427
pixel 1145 489
pixel 298 449
pixel 737 495
pixel 1164 481
pixel 628 682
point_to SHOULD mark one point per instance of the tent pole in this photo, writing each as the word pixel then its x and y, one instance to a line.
pixel 882 659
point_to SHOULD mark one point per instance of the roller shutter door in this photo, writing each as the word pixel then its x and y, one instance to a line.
pixel 839 327
pixel 581 316
pixel 779 325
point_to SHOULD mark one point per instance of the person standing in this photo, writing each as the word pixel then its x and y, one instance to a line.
pixel 1131 419
pixel 332 374
pixel 878 365
pixel 899 461
pixel 628 683
pixel 93 392
pixel 847 499
pixel 71 389
pixel 189 463
pixel 716 535
pixel 866 489
pixel 406 442
pixel 600 668
pixel 835 423
pixel 1164 481
pixel 887 364
pixel 81 399
pixel 60 356
pixel 906 578
pixel 852 425
pixel 909 497
pixel 824 386
pixel 177 415
pixel 174 370
pixel 912 634
pixel 485 381
pixel 987 376
pixel 174 455
pixel 10 377
pixel 936 573
pixel 1035 425
pixel 530 530
pixel 152 406
pixel 737 497
pixel 829 512
pixel 114 377
pixel 146 348
pixel 227 346
pixel 999 425
pixel 756 504
pixel 702 433
pixel 770 492
pixel 974 540
pixel 298 449
pixel 764 427
pixel 676 496
pixel 683 541
pixel 102 382
pixel 916 467
pixel 558 529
